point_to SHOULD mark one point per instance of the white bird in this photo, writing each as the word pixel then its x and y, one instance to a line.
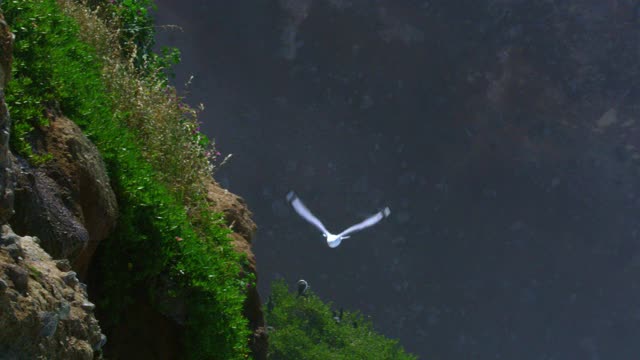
pixel 333 240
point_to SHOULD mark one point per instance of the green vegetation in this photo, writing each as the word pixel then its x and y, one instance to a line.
pixel 48 72
pixel 136 26
pixel 34 272
pixel 65 61
pixel 92 62
pixel 304 327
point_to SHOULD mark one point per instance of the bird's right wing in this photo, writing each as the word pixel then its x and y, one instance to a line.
pixel 302 210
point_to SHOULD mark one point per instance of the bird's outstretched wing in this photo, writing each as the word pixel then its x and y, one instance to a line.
pixel 304 212
pixel 372 220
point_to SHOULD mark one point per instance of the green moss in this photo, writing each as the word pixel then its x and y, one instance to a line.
pixel 304 328
pixel 34 272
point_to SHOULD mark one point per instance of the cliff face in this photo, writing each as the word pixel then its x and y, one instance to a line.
pixel 44 309
pixel 67 202
pixel 45 312
pixel 159 334
pixel 63 210
pixel 239 219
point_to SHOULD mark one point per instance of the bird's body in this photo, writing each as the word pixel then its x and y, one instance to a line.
pixel 334 240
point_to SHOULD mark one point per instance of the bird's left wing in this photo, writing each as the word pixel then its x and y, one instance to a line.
pixel 304 212
pixel 372 220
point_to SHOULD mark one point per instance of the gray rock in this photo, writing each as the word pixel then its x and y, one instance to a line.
pixel 15 251
pixel 71 279
pixel 8 236
pixel 98 345
pixel 41 211
pixel 83 288
pixel 49 323
pixel 63 265
pixel 20 278
pixel 64 311
pixel 87 306
pixel 68 203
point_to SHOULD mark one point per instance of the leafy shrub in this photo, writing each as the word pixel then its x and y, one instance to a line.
pixel 132 24
pixel 154 238
pixel 133 30
pixel 304 327
pixel 50 69
pixel 168 130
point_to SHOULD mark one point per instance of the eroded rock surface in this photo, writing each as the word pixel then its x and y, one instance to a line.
pixel 79 170
pixel 41 315
pixel 41 211
pixel 68 203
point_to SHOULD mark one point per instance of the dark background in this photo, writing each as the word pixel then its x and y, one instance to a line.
pixel 502 134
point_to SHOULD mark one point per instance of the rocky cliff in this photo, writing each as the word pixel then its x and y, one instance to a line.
pixel 239 219
pixel 62 210
pixel 45 312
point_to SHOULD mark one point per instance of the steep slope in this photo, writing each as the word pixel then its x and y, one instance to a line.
pixel 173 259
pixel 44 310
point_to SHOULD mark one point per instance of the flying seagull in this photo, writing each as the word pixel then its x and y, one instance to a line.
pixel 333 240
